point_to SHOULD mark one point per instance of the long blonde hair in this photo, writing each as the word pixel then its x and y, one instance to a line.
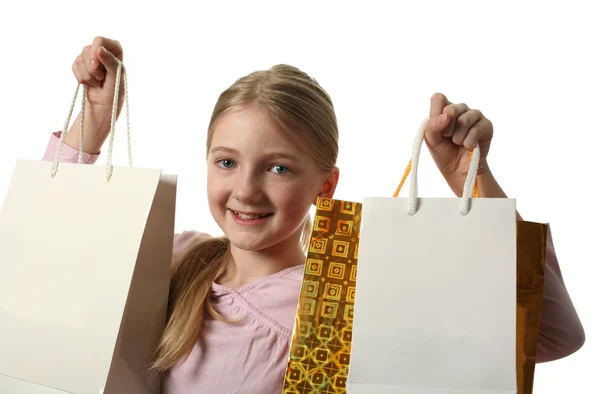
pixel 297 102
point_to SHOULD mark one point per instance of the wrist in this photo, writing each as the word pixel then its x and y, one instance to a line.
pixel 97 120
pixel 489 186
pixel 96 128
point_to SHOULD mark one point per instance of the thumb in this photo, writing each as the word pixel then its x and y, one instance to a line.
pixel 107 59
pixel 434 128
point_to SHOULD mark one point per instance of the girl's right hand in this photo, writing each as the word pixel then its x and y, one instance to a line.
pixel 96 68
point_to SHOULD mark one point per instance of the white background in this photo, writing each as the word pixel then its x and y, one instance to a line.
pixel 531 68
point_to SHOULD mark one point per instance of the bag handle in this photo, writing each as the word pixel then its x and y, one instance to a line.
pixel 470 189
pixel 109 166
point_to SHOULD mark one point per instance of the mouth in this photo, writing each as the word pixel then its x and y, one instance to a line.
pixel 249 217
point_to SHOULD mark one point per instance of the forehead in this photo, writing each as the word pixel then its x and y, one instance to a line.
pixel 250 130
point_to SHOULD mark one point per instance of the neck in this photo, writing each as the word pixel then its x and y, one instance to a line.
pixel 246 265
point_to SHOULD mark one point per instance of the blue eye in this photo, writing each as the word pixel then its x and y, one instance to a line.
pixel 279 169
pixel 226 163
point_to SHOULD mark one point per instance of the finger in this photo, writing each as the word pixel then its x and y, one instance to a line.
pixel 464 124
pixel 82 74
pixel 433 129
pixel 108 60
pixel 436 124
pixel 95 71
pixel 438 102
pixel 482 130
pixel 112 46
pixel 453 111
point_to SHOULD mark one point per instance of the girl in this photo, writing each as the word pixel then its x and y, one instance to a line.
pixel 271 150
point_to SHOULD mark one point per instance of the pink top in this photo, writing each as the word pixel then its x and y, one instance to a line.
pixel 252 357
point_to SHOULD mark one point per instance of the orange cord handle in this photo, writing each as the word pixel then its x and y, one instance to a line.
pixel 407 172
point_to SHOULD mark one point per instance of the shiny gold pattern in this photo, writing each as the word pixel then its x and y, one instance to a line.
pixel 320 350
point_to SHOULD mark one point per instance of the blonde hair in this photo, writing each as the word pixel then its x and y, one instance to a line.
pixel 299 104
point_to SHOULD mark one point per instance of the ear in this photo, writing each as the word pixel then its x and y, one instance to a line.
pixel 329 184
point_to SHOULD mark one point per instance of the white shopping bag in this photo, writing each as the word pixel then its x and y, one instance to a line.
pixel 435 309
pixel 85 253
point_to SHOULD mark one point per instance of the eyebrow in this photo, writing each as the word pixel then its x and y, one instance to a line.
pixel 223 149
pixel 270 155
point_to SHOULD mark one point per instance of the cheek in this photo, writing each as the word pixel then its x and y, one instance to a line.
pixel 296 199
pixel 216 192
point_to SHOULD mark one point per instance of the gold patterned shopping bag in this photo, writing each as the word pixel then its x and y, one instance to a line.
pixel 320 349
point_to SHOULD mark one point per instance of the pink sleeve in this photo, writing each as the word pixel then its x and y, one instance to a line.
pixel 67 154
pixel 561 332
pixel 182 243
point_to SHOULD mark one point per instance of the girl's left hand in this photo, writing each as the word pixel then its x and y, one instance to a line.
pixel 452 132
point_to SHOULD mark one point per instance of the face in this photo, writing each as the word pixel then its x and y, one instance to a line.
pixel 261 184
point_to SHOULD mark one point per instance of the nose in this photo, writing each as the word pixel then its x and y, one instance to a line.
pixel 248 190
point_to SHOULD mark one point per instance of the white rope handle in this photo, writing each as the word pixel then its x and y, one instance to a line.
pixel 469 182
pixel 109 166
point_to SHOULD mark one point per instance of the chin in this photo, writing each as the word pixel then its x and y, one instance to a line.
pixel 251 245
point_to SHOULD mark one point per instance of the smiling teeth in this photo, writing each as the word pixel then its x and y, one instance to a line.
pixel 248 217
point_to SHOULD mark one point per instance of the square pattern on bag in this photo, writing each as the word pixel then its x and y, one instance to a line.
pixel 320 351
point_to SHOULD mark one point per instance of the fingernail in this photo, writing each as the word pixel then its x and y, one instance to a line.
pixel 94 63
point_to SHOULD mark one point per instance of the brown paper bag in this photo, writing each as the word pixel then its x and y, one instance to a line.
pixel 531 261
